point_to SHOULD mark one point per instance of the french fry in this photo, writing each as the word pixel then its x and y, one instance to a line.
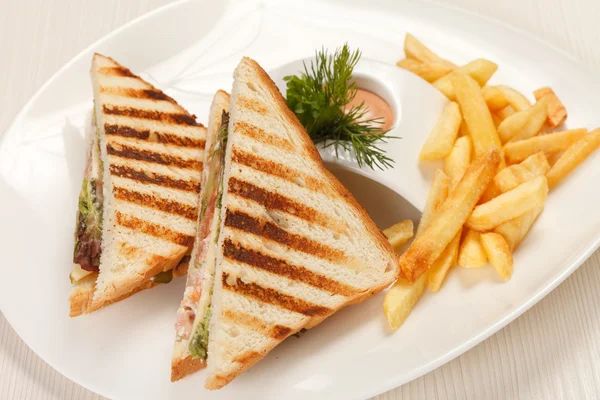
pixel 573 156
pixel 438 271
pixel 497 120
pixel 480 70
pixel 458 160
pixel 401 299
pixel 450 217
pixel 516 99
pixel 476 114
pixel 490 192
pixel 441 139
pixel 436 197
pixel 515 230
pixel 471 254
pixel 430 71
pixel 464 129
pixel 509 205
pixel 413 48
pixel 498 253
pixel 512 125
pixel 505 112
pixel 536 117
pixel 399 233
pixel 549 143
pixel 554 157
pixel 557 113
pixel 494 98
pixel 511 177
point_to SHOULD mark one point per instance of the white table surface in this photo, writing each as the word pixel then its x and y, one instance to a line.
pixel 552 351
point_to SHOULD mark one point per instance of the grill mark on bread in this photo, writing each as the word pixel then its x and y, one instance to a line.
pixel 280 267
pixel 278 332
pixel 276 201
pixel 248 358
pixel 260 135
pixel 119 150
pixel 251 104
pixel 153 229
pixel 165 117
pixel 274 297
pixel 154 178
pixel 149 94
pixel 242 221
pixel 128 251
pixel 117 71
pixel 168 206
pixel 153 136
pixel 260 164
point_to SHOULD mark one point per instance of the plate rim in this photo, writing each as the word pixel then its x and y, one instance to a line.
pixel 394 381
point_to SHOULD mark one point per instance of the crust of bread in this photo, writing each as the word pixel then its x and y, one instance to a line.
pixel 181 368
pixel 218 381
pixel 82 292
pixel 131 284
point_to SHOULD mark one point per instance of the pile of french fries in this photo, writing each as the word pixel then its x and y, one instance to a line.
pixel 502 154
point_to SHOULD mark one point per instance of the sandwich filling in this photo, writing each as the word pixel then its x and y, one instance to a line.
pixel 88 234
pixel 194 312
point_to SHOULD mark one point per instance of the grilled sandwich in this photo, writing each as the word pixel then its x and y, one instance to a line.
pixel 189 351
pixel 136 220
pixel 292 244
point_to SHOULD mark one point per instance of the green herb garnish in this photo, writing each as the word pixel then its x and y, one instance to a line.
pixel 319 97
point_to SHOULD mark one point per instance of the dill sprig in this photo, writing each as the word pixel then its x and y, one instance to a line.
pixel 319 98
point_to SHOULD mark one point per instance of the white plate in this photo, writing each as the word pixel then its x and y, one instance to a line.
pixel 190 48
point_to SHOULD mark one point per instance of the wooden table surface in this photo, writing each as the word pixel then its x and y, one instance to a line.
pixel 552 351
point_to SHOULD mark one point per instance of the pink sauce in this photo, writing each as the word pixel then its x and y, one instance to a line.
pixel 376 108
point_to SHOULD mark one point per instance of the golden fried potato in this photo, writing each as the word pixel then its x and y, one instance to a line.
pixel 509 205
pixel 516 99
pixel 471 254
pixel 438 271
pixel 511 177
pixel 430 71
pixel 479 70
pixel 476 114
pixel 498 253
pixel 458 160
pixel 399 233
pixel 400 300
pixel 441 139
pixel 415 49
pixel 436 197
pixel 494 98
pixel 536 117
pixel 573 156
pixel 516 229
pixel 549 143
pixel 451 216
pixel 557 113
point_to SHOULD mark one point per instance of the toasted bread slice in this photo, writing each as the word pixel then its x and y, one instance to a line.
pixel 295 246
pixel 82 291
pixel 152 151
pixel 200 272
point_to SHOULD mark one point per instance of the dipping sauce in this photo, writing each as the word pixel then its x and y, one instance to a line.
pixel 376 108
